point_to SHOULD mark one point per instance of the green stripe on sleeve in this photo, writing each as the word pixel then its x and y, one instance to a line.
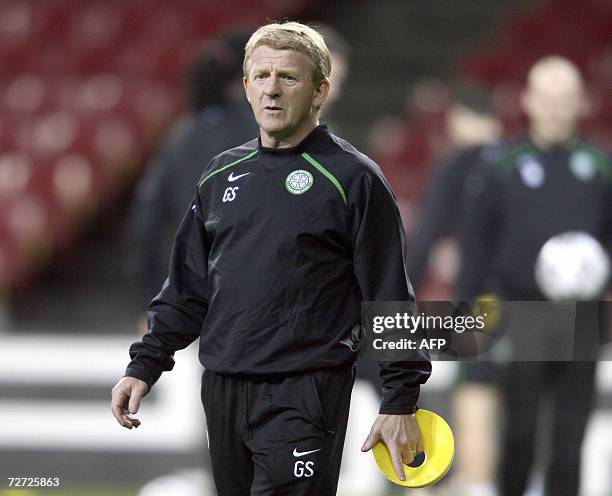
pixel 327 174
pixel 206 178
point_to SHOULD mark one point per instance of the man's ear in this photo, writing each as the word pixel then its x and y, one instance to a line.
pixel 321 92
pixel 245 83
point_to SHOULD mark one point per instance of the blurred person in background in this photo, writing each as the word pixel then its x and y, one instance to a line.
pixel 552 181
pixel 268 402
pixel 340 55
pixel 474 132
pixel 218 118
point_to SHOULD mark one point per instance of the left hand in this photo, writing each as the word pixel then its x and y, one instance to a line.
pixel 126 397
pixel 401 434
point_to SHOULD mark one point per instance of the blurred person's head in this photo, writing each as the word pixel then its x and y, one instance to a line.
pixel 340 54
pixel 470 120
pixel 554 100
pixel 286 78
pixel 215 75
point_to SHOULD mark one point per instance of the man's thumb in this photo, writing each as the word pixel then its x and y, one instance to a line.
pixel 369 443
pixel 134 402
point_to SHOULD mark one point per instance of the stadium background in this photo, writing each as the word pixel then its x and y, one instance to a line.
pixel 87 89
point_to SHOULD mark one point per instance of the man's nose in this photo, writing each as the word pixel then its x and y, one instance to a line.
pixel 272 86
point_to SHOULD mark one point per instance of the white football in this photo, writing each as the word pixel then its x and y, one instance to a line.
pixel 572 266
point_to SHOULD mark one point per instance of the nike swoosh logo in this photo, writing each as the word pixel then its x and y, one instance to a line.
pixel 297 453
pixel 231 178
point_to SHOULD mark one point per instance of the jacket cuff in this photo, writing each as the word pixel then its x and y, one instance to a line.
pixel 400 401
pixel 140 373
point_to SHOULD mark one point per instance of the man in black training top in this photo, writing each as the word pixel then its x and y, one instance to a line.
pixel 552 181
pixel 285 237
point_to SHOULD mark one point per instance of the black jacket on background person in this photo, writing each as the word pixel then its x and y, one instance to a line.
pixel 272 261
pixel 443 212
pixel 166 187
pixel 526 197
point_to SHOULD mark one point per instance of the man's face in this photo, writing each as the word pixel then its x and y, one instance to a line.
pixel 280 88
pixel 554 102
pixel 466 127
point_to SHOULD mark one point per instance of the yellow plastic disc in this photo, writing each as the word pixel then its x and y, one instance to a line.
pixel 439 452
pixel 488 306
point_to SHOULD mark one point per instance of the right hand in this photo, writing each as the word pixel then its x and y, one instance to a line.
pixel 126 396
pixel 402 436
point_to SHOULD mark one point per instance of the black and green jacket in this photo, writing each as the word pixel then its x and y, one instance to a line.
pixel 526 197
pixel 277 251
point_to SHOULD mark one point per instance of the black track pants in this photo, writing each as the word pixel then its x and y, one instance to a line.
pixel 572 387
pixel 281 436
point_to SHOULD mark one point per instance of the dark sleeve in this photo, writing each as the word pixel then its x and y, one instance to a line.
pixel 148 223
pixel 437 217
pixel 607 239
pixel 479 231
pixel 608 233
pixel 379 249
pixel 176 314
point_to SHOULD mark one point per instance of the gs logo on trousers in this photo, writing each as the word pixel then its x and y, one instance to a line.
pixel 277 436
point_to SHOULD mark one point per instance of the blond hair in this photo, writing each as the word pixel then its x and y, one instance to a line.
pixel 292 36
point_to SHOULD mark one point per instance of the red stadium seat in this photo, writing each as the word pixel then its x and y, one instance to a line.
pixel 73 182
pixel 86 85
pixel 52 133
pixel 16 170
pixel 102 92
pixel 25 94
pixel 15 21
pixel 26 220
pixel 94 25
pixel 12 264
